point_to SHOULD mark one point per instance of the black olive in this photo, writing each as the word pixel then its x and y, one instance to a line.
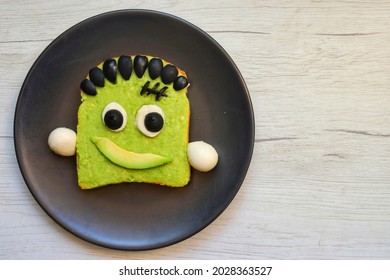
pixel 140 65
pixel 96 76
pixel 145 88
pixel 169 74
pixel 88 87
pixel 155 67
pixel 125 66
pixel 161 93
pixel 110 70
pixel 113 119
pixel 154 122
pixel 180 83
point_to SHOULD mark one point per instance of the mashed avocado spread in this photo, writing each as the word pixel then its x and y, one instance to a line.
pixel 97 168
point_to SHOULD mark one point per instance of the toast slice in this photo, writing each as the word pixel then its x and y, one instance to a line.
pixel 133 123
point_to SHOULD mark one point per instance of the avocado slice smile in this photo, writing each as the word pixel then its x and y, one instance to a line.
pixel 128 159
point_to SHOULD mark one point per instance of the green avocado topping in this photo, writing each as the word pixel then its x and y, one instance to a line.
pixel 128 159
pixel 106 156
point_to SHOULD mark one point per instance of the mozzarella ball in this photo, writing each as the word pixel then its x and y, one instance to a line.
pixel 62 141
pixel 202 156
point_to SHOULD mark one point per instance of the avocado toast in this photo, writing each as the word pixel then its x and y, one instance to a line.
pixel 133 123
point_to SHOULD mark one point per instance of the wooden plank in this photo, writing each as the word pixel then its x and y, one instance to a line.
pixel 318 75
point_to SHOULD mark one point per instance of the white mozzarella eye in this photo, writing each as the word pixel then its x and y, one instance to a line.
pixel 150 120
pixel 114 117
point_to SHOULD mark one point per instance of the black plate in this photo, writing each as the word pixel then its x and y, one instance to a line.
pixel 134 216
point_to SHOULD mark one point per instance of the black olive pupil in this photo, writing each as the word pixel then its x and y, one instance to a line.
pixel 113 119
pixel 154 122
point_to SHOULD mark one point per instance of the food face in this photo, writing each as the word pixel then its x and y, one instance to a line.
pixel 133 124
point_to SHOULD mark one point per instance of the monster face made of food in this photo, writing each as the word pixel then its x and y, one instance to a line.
pixel 133 125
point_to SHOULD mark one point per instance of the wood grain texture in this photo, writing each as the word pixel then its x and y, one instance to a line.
pixel 319 183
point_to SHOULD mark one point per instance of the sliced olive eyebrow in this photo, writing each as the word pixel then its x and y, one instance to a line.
pixel 154 90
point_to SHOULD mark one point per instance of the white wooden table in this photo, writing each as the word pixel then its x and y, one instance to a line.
pixel 319 77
